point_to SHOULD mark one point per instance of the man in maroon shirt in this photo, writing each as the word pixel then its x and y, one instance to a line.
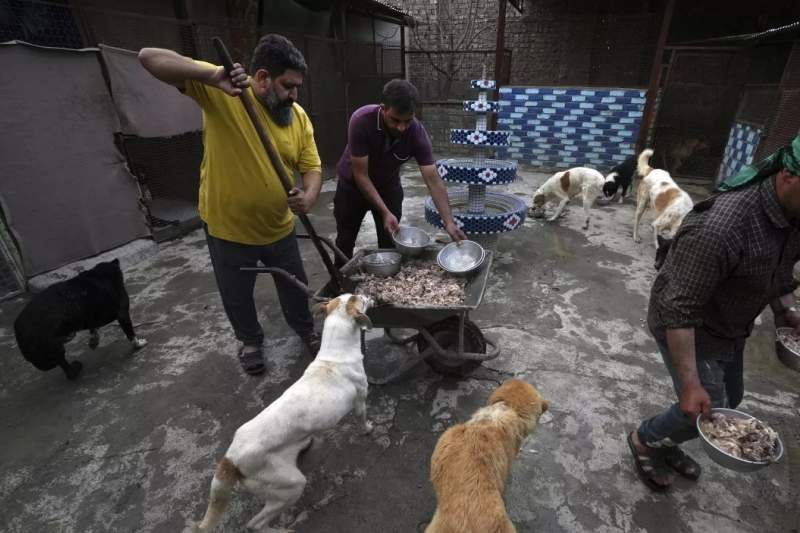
pixel 380 139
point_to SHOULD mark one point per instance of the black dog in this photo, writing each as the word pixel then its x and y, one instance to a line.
pixel 88 301
pixel 621 176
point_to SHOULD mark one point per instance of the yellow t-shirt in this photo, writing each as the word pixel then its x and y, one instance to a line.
pixel 241 197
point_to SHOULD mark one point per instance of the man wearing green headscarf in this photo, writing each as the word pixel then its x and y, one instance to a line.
pixel 733 255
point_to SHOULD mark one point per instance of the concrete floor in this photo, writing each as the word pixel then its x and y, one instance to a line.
pixel 130 446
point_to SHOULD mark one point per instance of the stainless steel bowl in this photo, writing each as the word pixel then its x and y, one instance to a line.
pixel 383 264
pixel 730 461
pixel 461 257
pixel 410 241
pixel 786 355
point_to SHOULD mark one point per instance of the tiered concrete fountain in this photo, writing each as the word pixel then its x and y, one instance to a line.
pixel 482 215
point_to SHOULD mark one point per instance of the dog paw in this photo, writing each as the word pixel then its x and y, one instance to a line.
pixel 368 427
pixel 193 527
pixel 138 343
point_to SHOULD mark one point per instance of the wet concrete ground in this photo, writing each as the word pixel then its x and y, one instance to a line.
pixel 131 445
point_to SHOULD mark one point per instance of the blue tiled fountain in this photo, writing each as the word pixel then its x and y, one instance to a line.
pixel 481 214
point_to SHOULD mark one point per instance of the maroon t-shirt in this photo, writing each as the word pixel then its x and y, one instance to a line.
pixel 366 136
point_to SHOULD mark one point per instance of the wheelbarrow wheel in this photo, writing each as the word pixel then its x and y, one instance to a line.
pixel 446 334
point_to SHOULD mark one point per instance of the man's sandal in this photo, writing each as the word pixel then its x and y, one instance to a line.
pixel 252 362
pixel 682 463
pixel 650 467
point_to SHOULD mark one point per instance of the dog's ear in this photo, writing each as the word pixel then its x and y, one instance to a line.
pixel 115 262
pixel 356 311
pixel 325 308
pixel 545 405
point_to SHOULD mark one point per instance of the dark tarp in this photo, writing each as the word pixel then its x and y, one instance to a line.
pixel 63 183
pixel 146 106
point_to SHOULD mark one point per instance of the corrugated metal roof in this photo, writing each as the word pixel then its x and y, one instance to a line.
pixel 382 6
pixel 771 33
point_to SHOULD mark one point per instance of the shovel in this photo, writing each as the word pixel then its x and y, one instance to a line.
pixel 337 281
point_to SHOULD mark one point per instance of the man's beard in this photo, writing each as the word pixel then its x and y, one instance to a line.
pixel 280 111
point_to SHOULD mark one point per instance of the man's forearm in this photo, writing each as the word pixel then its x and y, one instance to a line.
pixel 682 350
pixel 778 305
pixel 364 184
pixel 312 184
pixel 438 192
pixel 173 68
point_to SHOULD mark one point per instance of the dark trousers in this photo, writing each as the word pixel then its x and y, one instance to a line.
pixel 723 379
pixel 236 287
pixel 349 209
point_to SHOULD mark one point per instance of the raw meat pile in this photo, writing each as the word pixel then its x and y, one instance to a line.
pixel 743 438
pixel 790 340
pixel 417 284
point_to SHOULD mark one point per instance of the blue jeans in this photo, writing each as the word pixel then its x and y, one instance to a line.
pixel 722 379
pixel 236 287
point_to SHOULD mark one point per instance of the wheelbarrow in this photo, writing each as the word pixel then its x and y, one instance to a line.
pixel 446 338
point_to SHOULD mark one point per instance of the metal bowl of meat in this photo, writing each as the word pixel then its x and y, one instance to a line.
pixel 410 241
pixel 462 257
pixel 787 346
pixel 739 441
pixel 383 264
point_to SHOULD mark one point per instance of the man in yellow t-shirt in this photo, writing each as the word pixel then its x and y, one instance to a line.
pixel 247 215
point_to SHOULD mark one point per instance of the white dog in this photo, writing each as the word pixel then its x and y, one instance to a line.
pixel 263 454
pixel 569 183
pixel 659 190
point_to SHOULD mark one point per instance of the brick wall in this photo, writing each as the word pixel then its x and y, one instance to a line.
pixel 561 127
pixel 554 43
pixel 439 119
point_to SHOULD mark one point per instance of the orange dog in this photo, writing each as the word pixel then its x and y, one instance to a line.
pixel 471 462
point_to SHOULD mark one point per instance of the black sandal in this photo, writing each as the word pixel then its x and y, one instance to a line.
pixel 682 463
pixel 649 467
pixel 252 362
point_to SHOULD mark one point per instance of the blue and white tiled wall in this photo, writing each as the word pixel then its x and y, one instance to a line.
pixel 742 144
pixel 555 127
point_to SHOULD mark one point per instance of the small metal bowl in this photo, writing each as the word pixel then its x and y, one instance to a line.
pixel 461 257
pixel 730 461
pixel 786 355
pixel 410 241
pixel 383 264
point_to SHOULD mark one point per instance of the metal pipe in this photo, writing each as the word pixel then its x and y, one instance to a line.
pixel 498 54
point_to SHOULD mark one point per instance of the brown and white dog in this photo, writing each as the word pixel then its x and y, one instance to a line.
pixel 670 203
pixel 567 184
pixel 471 462
pixel 263 454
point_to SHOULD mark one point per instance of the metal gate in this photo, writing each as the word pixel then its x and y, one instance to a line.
pixel 785 123
pixel 698 103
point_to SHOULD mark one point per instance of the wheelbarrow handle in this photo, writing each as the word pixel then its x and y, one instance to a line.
pixel 286 275
pixel 327 242
pixel 277 163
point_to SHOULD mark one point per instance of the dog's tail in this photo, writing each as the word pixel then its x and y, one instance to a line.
pixel 643 167
pixel 225 478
